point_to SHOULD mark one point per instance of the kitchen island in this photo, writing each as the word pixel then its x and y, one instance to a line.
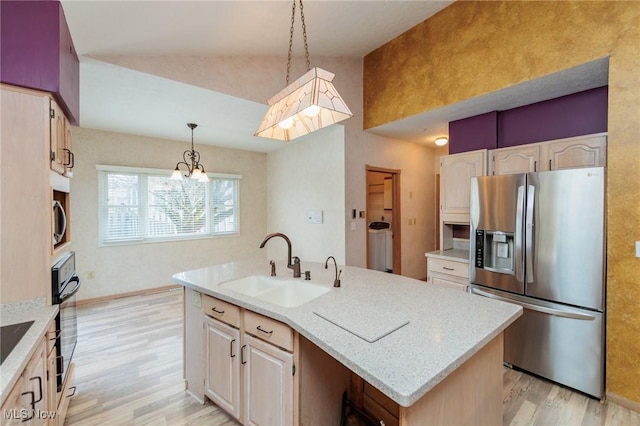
pixel 434 351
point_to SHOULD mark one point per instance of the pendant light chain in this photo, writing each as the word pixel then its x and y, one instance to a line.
pixel 304 36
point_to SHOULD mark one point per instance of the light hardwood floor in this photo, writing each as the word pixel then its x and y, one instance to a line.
pixel 129 372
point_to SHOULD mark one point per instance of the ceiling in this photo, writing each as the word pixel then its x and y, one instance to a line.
pixel 118 99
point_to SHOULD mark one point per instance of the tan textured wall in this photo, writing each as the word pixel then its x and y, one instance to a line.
pixel 474 48
pixel 126 268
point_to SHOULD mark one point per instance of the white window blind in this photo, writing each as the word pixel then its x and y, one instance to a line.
pixel 145 205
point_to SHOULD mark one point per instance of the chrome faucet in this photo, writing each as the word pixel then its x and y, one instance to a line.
pixel 336 281
pixel 292 262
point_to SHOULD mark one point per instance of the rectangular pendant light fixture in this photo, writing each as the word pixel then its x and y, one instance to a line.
pixel 306 105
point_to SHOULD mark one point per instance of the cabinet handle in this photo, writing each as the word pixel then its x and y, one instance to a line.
pixel 242 361
pixel 231 354
pixel 56 335
pixel 33 405
pixel 264 331
pixel 71 161
pixel 40 390
pixel 535 166
pixel 73 388
pixel 217 311
pixel 550 165
pixel 448 269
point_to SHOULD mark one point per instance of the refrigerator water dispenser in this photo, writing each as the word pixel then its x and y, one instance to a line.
pixel 494 251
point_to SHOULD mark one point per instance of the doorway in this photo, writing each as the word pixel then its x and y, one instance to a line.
pixel 383 219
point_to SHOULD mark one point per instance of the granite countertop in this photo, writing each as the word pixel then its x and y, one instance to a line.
pixel 456 255
pixel 442 327
pixel 33 310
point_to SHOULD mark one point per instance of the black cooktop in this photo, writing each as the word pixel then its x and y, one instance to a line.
pixel 10 335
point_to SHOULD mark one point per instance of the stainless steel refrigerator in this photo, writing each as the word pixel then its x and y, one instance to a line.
pixel 538 240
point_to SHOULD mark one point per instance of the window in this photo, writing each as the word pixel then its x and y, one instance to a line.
pixel 146 205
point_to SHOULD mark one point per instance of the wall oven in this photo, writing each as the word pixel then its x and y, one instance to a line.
pixel 64 285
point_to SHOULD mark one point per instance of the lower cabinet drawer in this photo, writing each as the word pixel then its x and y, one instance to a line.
pixel 458 269
pixel 269 330
pixel 378 412
pixel 221 310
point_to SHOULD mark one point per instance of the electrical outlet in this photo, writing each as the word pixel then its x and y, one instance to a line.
pixel 196 299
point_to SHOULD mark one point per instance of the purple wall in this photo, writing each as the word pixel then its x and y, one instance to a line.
pixel 477 132
pixel 577 114
pixel 37 52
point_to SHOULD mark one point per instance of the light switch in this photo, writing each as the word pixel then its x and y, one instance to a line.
pixel 314 216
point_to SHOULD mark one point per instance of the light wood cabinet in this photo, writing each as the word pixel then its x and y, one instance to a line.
pixel 583 151
pixel 61 154
pixel 448 273
pixel 222 370
pixel 456 172
pixel 518 159
pixel 268 383
pixel 25 203
pixel 29 400
pixel 12 408
pixel 569 153
pixel 249 363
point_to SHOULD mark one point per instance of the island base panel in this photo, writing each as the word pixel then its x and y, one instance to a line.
pixel 322 380
pixel 471 395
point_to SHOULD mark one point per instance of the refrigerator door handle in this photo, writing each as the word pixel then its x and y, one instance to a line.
pixel 518 232
pixel 528 238
pixel 537 308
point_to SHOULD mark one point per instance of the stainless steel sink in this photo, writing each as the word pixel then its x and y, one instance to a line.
pixel 287 293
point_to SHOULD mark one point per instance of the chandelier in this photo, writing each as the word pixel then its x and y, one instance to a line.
pixel 306 105
pixel 191 159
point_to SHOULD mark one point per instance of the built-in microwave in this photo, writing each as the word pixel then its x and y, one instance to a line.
pixel 59 222
pixel 60 186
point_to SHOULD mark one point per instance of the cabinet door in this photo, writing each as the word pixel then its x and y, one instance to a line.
pixel 58 135
pixel 222 369
pixel 590 151
pixel 520 159
pixel 456 172
pixel 11 409
pixel 268 384
pixel 67 157
pixel 34 387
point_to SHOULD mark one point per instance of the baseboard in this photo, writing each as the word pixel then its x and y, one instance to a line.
pixel 623 402
pixel 106 298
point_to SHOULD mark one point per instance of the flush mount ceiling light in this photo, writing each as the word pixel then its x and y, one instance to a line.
pixel 441 141
pixel 191 159
pixel 306 105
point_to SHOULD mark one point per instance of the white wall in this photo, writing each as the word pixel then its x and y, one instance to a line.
pixel 417 195
pixel 308 175
pixel 121 269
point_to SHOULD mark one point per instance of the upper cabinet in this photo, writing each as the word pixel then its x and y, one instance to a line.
pixel 569 153
pixel 589 151
pixel 61 155
pixel 25 199
pixel 456 172
pixel 37 52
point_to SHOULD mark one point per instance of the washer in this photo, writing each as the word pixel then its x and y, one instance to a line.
pixel 380 246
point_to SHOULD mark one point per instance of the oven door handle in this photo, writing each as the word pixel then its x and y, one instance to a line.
pixel 72 293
